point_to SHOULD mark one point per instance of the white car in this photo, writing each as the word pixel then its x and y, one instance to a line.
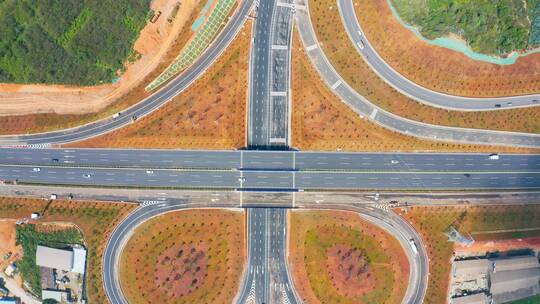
pixel 36 169
pixel 393 161
pixel 494 156
pixel 87 175
pixel 149 171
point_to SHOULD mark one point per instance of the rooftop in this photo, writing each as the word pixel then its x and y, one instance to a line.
pixel 470 267
pixel 479 298
pixel 54 258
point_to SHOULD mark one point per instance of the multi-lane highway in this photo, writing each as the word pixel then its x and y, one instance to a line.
pixel 270 160
pixel 259 97
pixel 369 111
pixel 266 279
pixel 251 170
pixel 151 103
pixel 413 90
pixel 269 90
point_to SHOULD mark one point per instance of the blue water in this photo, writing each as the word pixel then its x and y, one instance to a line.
pixel 202 16
pixel 460 46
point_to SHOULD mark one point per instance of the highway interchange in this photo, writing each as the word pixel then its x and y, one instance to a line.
pixel 266 183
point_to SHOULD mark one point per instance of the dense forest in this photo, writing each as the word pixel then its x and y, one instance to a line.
pixel 79 42
pixel 489 26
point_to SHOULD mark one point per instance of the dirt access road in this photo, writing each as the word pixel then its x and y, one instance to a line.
pixel 154 41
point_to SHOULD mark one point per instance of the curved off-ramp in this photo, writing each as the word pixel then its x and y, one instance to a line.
pixel 415 91
pixel 148 105
pixel 368 110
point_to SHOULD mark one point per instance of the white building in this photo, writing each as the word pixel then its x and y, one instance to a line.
pixel 60 259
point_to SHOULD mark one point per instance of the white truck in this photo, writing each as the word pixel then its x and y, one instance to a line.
pixel 413 246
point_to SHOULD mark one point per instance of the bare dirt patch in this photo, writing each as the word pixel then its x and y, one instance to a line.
pixel 438 68
pixel 8 248
pixel 349 271
pixel 321 121
pixel 481 247
pixel 341 52
pixel 191 256
pixel 209 114
pixel 378 262
pixel 181 269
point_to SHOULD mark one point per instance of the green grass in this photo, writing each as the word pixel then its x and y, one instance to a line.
pixel 78 42
pixel 29 239
pixel 488 26
pixel 531 300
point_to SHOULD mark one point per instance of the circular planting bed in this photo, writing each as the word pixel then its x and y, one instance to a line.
pixel 191 256
pixel 337 257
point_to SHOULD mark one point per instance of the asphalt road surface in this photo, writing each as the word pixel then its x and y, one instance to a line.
pixel 271 160
pixel 413 90
pixel 269 89
pixel 266 277
pixel 269 180
pixel 148 105
pixel 259 96
pixel 368 110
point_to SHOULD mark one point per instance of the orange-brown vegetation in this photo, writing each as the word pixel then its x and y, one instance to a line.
pixel 33 123
pixel 350 65
pixel 95 219
pixel 192 256
pixel 438 68
pixel 209 114
pixel 336 257
pixel 321 121
pixel 432 222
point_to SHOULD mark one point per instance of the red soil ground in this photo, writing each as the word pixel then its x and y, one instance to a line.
pixel 181 269
pixel 349 271
pixel 481 247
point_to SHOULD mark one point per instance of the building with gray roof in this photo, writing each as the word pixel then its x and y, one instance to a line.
pixel 479 298
pixel 54 258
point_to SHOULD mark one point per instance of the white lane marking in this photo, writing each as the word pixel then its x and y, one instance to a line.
pixel 312 47
pixel 373 114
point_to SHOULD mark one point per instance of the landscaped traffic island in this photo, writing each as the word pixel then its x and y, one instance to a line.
pixel 193 256
pixel 336 257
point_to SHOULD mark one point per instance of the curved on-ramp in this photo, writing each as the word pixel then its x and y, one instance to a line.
pixel 151 103
pixel 368 110
pixel 388 221
pixel 415 91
